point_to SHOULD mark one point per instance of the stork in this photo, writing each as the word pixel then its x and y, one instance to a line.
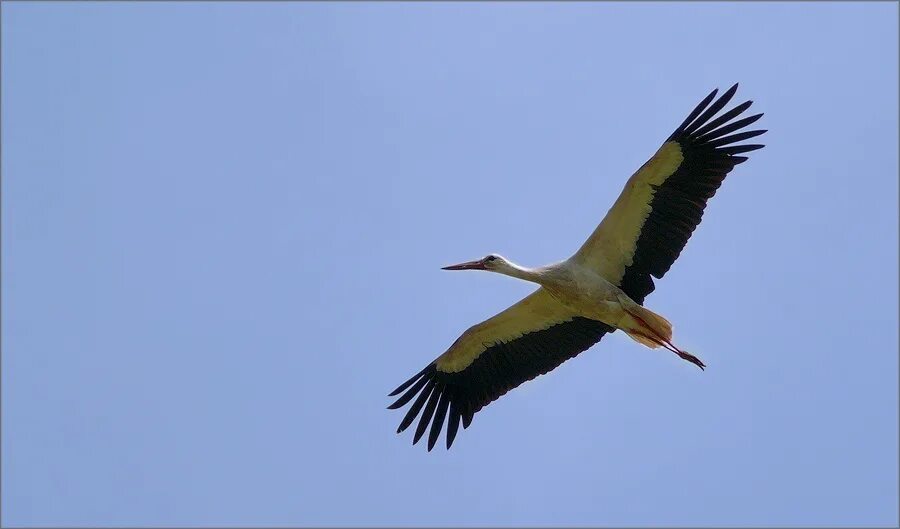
pixel 599 289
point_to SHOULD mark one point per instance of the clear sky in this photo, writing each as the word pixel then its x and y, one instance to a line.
pixel 223 227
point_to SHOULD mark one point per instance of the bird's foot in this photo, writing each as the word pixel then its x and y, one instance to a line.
pixel 691 358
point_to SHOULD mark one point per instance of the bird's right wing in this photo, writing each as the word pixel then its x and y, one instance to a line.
pixel 663 202
pixel 528 339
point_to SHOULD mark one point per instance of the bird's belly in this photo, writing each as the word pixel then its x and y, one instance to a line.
pixel 596 300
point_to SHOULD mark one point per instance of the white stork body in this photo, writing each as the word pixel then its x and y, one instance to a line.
pixel 598 290
pixel 573 289
pixel 587 293
pixel 576 287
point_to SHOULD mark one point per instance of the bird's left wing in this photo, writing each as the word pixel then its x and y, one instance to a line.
pixel 663 202
pixel 528 339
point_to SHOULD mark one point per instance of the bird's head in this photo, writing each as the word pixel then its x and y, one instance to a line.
pixel 492 262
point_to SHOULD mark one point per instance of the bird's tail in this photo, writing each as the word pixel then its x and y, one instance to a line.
pixel 648 328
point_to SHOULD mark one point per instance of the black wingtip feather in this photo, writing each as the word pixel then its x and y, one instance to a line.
pixel 739 149
pixel 694 113
pixel 409 394
pixel 717 105
pixel 711 130
pixel 452 424
pixel 729 128
pixel 427 413
pixel 408 382
pixel 439 417
pixel 417 405
pixel 734 138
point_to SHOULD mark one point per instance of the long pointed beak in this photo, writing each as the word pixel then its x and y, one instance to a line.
pixel 471 265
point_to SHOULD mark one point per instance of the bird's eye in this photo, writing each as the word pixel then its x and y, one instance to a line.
pixel 491 258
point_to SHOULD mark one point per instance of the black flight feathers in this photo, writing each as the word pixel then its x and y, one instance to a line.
pixel 710 148
pixel 495 371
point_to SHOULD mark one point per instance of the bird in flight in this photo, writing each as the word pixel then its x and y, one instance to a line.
pixel 600 289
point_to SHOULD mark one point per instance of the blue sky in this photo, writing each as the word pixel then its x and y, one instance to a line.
pixel 223 225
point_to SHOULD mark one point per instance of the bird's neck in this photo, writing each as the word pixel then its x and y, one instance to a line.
pixel 521 272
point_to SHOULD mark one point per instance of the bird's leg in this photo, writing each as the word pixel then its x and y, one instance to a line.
pixel 684 355
pixel 690 358
pixel 662 341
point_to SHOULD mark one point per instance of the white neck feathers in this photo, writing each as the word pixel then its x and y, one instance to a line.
pixel 513 270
